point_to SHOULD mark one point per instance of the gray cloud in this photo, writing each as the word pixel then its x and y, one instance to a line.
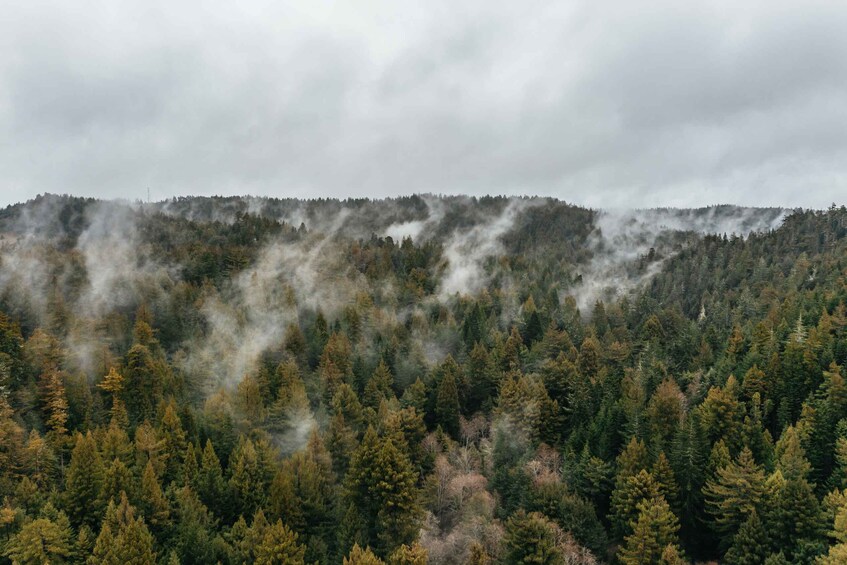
pixel 600 103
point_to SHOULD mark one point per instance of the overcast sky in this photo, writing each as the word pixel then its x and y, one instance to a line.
pixel 598 102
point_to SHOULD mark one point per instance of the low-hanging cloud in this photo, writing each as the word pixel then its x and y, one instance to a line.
pixel 622 238
pixel 601 103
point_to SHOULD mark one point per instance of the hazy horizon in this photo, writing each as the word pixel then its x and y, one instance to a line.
pixel 603 104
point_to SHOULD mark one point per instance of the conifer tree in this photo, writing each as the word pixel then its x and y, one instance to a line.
pixel 359 556
pixel 40 541
pixel 414 554
pixel 655 528
pixel 247 481
pixel 172 438
pixel 279 546
pixel 152 500
pixel 666 481
pixel 124 539
pixel 736 491
pixel 380 483
pixel 531 538
pixel 117 479
pixel 751 545
pixel 627 498
pixel 211 486
pixel 113 383
pixel 84 482
pixel 56 405
pixel 447 404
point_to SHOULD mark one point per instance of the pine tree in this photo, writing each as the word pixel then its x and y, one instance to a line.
pixel 56 404
pixel 655 528
pixel 359 556
pixel 279 546
pixel 734 493
pixel 414 554
pixel 193 529
pixel 84 482
pixel 632 459
pixel 40 541
pixel 211 486
pixel 665 410
pixel 531 538
pixel 380 483
pixel 723 414
pixel 173 441
pixel 751 545
pixel 303 492
pixel 153 502
pixel 627 498
pixel 117 479
pixel 190 467
pixel 379 386
pixel 447 404
pixel 113 383
pixel 247 481
pixel 666 481
pixel 483 376
pixel 124 539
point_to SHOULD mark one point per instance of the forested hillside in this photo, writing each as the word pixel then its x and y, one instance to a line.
pixel 427 379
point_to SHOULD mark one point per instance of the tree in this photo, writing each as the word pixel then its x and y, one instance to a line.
pixel 56 403
pixel 124 539
pixel 247 481
pixel 153 502
pixel 359 556
pixel 379 386
pixel 736 491
pixel 654 530
pixel 279 547
pixel 303 492
pixel 414 554
pixel 665 410
pixel 40 541
pixel 113 383
pixel 192 533
pixel 211 486
pixel 665 480
pixel 447 404
pixel 751 545
pixel 84 482
pixel 117 479
pixel 380 483
pixel 173 442
pixel 627 499
pixel 531 538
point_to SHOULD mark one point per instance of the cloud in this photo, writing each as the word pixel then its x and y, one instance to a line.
pixel 621 239
pixel 611 102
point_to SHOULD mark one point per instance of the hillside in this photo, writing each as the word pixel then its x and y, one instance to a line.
pixel 441 379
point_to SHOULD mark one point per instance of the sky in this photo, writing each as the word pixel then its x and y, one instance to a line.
pixel 600 103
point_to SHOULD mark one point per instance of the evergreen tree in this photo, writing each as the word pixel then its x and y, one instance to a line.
pixel 211 486
pixel 655 528
pixel 531 538
pixel 124 539
pixel 627 498
pixel 40 541
pixel 279 547
pixel 359 556
pixel 172 436
pixel 447 404
pixel 751 544
pixel 737 490
pixel 381 484
pixel 153 503
pixel 84 482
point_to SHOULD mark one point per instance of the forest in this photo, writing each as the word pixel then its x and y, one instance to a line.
pixel 425 379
